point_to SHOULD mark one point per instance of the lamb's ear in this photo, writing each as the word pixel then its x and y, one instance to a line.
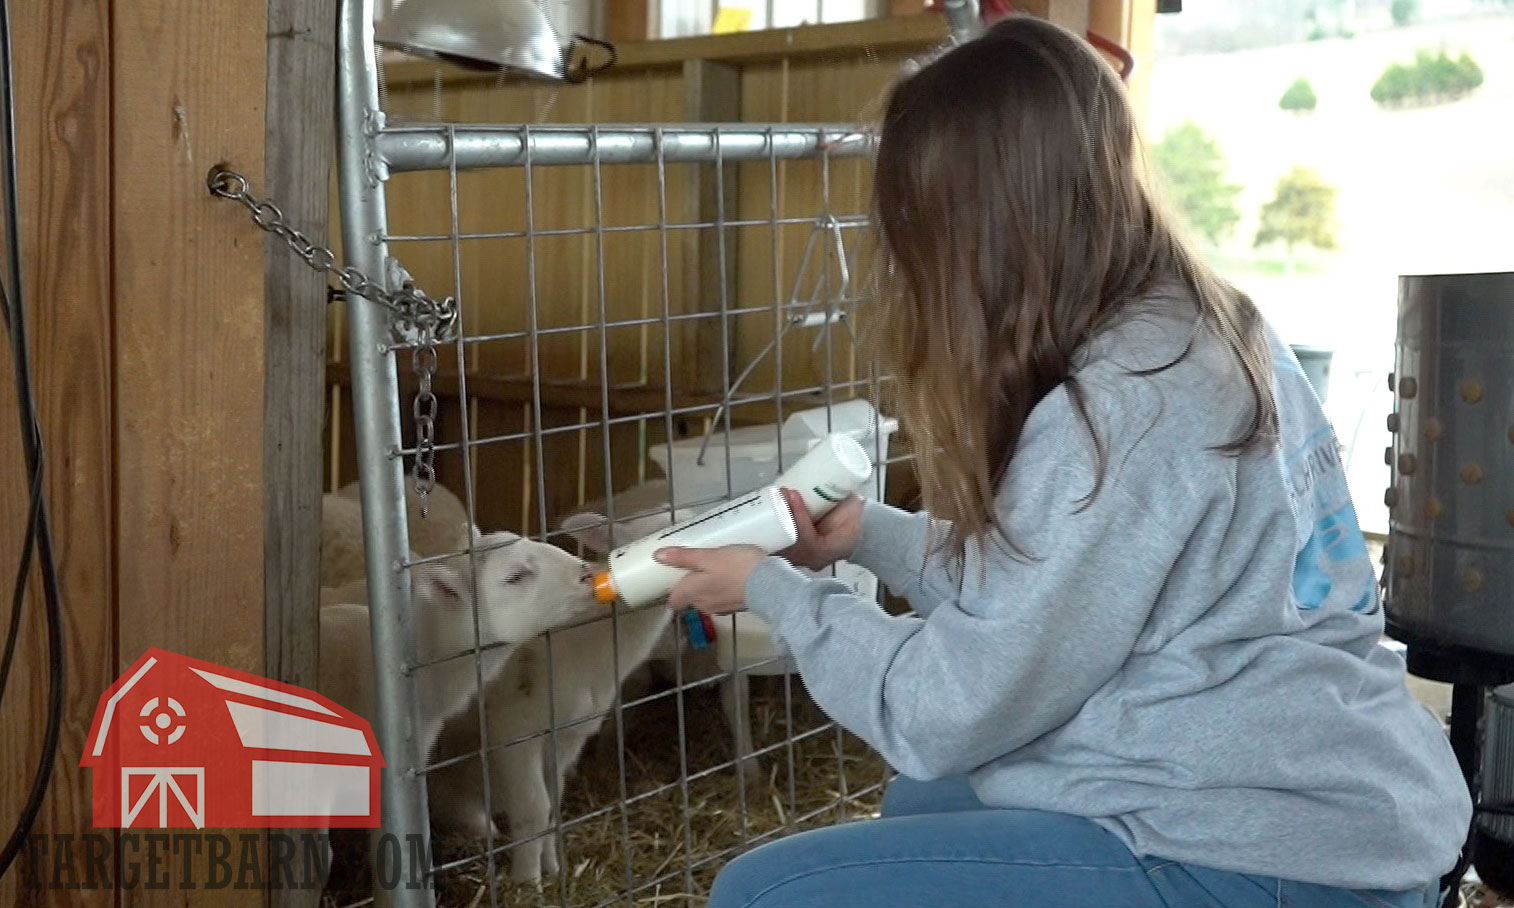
pixel 590 529
pixel 439 583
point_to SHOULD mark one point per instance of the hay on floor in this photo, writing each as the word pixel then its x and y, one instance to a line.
pixel 664 847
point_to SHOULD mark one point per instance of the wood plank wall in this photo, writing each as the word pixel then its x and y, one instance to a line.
pixel 146 314
pixel 63 97
pixel 188 313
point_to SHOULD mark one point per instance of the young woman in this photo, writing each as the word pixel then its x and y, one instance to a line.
pixel 1143 666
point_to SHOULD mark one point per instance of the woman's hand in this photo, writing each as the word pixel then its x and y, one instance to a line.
pixel 833 539
pixel 716 584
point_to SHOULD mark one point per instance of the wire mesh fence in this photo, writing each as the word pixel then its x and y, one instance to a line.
pixel 651 320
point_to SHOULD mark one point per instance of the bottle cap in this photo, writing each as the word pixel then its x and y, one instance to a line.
pixel 604 587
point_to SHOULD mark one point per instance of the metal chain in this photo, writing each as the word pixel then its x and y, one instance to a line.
pixel 411 311
pixel 423 408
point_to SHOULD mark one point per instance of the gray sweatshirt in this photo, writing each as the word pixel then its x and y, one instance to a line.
pixel 1191 659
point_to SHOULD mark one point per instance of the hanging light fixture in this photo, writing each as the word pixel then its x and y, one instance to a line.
pixel 512 35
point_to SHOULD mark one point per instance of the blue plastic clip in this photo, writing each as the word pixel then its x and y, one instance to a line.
pixel 693 622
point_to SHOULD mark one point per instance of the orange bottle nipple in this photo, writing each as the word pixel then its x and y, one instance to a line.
pixel 604 587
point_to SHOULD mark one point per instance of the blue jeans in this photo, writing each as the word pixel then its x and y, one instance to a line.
pixel 937 846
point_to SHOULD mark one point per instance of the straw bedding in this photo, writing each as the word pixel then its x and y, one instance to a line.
pixel 664 848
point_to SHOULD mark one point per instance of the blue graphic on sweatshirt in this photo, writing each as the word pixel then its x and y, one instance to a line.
pixel 1332 566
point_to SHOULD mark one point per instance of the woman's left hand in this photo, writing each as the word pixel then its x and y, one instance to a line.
pixel 716 584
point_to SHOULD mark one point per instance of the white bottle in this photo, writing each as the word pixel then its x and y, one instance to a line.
pixel 828 473
pixel 636 578
pixel 823 477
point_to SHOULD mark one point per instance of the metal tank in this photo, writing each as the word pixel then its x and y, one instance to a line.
pixel 1493 843
pixel 1449 561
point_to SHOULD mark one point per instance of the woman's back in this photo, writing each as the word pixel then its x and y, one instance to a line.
pixel 1255 716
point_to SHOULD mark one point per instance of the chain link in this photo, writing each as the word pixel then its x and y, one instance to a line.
pixel 412 314
pixel 423 408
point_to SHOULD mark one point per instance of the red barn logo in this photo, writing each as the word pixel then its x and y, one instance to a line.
pixel 178 742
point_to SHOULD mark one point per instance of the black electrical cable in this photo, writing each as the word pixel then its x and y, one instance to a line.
pixel 28 541
pixel 38 532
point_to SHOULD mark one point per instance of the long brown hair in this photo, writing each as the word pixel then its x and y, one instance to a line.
pixel 1015 221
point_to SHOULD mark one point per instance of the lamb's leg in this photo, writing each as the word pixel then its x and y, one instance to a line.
pixel 570 746
pixel 517 772
pixel 738 712
pixel 461 809
pixel 456 793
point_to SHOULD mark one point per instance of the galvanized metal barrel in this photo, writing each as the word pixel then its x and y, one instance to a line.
pixel 1493 853
pixel 1449 562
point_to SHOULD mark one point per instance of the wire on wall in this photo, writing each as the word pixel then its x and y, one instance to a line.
pixel 38 537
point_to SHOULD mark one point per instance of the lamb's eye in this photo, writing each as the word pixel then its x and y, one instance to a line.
pixel 519 575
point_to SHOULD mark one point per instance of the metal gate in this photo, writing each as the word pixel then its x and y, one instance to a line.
pixel 817 301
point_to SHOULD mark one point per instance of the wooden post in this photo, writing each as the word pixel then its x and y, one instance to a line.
pixel 1110 18
pixel 907 7
pixel 189 330
pixel 1070 14
pixel 298 172
pixel 628 20
pixel 298 151
pixel 63 91
pixel 712 94
pixel 1140 40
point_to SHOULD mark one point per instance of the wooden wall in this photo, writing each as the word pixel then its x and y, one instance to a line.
pixel 63 96
pixel 145 300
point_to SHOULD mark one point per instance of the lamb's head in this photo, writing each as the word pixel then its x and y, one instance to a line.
pixel 526 587
pixel 438 588
pixel 443 601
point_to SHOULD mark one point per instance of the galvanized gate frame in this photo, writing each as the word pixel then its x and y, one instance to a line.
pixel 368 151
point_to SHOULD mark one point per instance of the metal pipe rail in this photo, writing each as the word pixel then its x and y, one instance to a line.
pixel 375 397
pixel 415 148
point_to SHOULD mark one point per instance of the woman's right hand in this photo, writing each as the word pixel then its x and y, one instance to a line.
pixel 833 539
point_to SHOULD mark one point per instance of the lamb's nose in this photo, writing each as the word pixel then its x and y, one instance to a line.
pixel 587 576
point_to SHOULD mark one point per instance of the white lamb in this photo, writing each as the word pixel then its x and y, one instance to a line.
pixel 583 685
pixel 524 588
pixel 647 501
pixel 443 531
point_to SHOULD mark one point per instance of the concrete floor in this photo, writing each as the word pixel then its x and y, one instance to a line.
pixel 1433 694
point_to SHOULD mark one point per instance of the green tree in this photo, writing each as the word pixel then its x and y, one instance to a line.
pixel 1429 79
pixel 1469 72
pixel 1439 75
pixel 1302 210
pixel 1299 96
pixel 1403 11
pixel 1192 171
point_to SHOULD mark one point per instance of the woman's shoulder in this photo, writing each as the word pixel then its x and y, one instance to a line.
pixel 1161 350
pixel 1158 387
